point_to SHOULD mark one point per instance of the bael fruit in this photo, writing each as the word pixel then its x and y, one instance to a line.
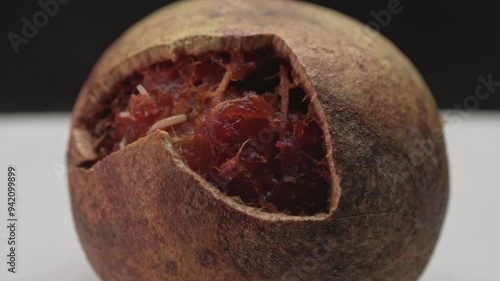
pixel 270 140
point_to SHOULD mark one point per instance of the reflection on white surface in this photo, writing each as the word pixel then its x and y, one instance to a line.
pixel 469 248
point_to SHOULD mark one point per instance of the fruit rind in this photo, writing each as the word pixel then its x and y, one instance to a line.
pixel 130 208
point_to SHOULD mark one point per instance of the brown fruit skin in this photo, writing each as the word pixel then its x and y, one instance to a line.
pixel 142 215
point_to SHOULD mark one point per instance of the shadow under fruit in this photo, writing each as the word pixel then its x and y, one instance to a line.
pixel 272 140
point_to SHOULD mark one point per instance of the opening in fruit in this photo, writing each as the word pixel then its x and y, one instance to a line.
pixel 237 119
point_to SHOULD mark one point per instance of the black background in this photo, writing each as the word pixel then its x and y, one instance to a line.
pixel 450 42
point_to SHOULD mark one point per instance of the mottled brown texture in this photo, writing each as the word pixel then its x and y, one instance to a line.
pixel 143 215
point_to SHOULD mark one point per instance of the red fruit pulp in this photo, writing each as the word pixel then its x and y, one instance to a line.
pixel 249 128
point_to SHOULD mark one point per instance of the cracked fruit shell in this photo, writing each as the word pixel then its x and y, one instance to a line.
pixel 269 140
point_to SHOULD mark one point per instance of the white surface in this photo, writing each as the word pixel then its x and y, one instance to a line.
pixel 469 248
